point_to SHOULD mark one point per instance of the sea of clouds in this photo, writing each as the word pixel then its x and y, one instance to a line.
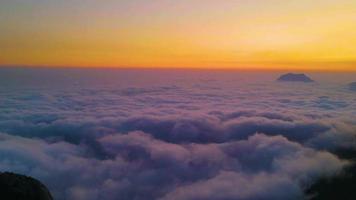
pixel 174 135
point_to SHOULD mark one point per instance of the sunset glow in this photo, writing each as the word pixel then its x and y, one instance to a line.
pixel 256 34
pixel 177 99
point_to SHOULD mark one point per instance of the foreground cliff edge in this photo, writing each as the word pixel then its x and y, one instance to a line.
pixel 19 187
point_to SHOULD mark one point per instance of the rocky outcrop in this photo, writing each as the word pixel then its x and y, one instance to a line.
pixel 295 78
pixel 352 86
pixel 19 187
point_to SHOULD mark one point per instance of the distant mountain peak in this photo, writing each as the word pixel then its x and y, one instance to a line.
pixel 352 86
pixel 292 77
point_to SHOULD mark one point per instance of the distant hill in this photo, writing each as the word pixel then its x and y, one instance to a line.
pixel 19 187
pixel 352 86
pixel 290 77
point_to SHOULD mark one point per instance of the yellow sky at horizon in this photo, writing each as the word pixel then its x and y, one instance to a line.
pixel 318 35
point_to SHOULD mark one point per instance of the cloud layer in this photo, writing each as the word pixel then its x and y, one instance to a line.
pixel 180 136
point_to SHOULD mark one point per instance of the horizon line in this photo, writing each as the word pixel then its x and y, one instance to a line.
pixel 275 69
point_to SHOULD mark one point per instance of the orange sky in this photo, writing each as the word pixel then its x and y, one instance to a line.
pixel 263 34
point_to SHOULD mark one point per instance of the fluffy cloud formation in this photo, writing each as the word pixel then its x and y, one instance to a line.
pixel 193 137
pixel 139 166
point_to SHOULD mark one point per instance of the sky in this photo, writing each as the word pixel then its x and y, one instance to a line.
pixel 254 34
pixel 113 134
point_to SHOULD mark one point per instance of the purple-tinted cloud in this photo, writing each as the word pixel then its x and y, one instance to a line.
pixel 193 138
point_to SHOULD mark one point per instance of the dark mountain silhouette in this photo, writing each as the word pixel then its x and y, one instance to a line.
pixel 295 78
pixel 352 86
pixel 19 187
pixel 340 186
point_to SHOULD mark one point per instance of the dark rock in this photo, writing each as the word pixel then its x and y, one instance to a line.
pixel 19 187
pixel 352 86
pixel 340 186
pixel 295 78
